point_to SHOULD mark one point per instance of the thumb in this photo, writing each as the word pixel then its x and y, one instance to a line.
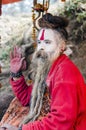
pixel 23 63
pixel 22 59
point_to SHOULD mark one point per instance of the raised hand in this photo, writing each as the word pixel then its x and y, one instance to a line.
pixel 17 62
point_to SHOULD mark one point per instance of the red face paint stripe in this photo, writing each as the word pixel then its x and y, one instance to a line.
pixel 42 36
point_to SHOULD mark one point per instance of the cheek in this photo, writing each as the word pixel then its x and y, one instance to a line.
pixel 40 46
pixel 50 47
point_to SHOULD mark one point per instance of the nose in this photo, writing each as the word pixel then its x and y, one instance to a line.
pixel 42 49
pixel 41 46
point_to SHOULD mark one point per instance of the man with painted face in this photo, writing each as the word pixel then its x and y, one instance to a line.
pixel 65 82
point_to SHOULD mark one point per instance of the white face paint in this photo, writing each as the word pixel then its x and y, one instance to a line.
pixel 48 41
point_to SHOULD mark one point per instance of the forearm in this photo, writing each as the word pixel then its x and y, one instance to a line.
pixel 21 90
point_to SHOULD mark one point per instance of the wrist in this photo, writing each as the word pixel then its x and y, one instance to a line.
pixel 15 79
pixel 16 75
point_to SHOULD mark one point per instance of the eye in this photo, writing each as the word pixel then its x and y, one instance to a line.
pixel 47 42
pixel 39 42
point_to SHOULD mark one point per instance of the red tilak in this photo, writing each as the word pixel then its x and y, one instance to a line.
pixel 42 36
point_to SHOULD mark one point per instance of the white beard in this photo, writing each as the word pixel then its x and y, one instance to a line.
pixel 40 65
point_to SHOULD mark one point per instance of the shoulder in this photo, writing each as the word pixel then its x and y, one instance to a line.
pixel 67 71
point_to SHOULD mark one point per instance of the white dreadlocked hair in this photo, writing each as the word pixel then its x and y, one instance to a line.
pixel 40 65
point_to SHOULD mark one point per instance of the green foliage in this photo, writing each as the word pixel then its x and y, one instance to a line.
pixel 81 16
pixel 73 9
pixel 4 53
pixel 69 10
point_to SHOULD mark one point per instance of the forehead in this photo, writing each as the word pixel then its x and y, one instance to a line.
pixel 46 34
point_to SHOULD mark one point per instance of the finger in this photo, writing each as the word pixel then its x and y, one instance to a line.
pixel 11 55
pixel 14 53
pixel 19 52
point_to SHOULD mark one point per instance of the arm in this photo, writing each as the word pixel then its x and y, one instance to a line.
pixel 63 110
pixel 17 65
pixel 21 90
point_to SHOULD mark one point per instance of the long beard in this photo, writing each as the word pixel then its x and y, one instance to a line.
pixel 40 67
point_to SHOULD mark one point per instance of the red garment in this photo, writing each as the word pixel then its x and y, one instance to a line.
pixel 68 98
pixel 21 90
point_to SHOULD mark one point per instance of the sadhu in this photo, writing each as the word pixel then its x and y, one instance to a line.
pixel 51 69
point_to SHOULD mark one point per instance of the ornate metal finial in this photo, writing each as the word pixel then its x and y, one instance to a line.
pixel 40 9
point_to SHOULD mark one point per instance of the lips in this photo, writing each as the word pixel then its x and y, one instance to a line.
pixel 41 54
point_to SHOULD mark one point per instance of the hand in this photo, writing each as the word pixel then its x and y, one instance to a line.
pixel 8 127
pixel 17 62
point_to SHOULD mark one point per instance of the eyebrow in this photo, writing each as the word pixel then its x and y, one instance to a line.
pixel 45 40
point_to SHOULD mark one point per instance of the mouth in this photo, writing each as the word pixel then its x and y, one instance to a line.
pixel 41 54
pixel 38 55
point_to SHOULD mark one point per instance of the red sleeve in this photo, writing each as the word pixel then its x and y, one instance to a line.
pixel 21 90
pixel 63 110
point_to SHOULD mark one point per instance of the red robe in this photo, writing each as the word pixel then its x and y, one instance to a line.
pixel 68 98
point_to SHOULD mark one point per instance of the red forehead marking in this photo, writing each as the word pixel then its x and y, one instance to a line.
pixel 42 36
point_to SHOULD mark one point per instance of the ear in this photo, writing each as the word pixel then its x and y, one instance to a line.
pixel 62 46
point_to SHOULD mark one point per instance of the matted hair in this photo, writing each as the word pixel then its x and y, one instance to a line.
pixel 57 23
